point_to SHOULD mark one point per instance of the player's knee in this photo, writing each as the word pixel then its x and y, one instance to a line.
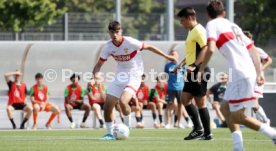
pixel 9 108
pixel 29 108
pixel 36 108
pixel 68 107
pixel 56 110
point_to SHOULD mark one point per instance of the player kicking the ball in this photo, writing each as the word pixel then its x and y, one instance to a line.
pixel 239 52
pixel 126 52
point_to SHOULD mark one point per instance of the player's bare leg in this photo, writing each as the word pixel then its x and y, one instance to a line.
pixel 109 105
pixel 10 110
pixel 68 110
pixel 126 110
pixel 35 114
pixel 97 109
pixel 86 108
pixel 169 108
pixel 152 106
pixel 160 113
pixel 260 113
pixel 55 111
pixel 28 111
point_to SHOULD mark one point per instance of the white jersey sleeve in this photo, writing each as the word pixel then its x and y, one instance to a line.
pixel 263 54
pixel 104 53
pixel 211 32
pixel 138 45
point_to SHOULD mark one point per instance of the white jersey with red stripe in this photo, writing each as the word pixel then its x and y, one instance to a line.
pixel 234 45
pixel 127 55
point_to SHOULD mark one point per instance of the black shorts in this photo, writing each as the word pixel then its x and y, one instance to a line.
pixel 193 87
pixel 19 106
pixel 78 106
pixel 172 94
pixel 101 104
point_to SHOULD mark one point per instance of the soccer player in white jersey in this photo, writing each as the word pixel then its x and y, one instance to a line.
pixel 266 61
pixel 244 61
pixel 126 52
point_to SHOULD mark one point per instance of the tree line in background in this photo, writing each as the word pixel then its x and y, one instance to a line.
pixel 257 16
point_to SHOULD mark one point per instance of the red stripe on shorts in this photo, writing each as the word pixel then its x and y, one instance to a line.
pixel 241 100
pixel 131 87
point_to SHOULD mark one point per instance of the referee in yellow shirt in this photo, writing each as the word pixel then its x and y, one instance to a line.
pixel 196 46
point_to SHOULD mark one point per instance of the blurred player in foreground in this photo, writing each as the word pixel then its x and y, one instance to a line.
pixel 239 52
pixel 126 52
pixel 17 97
pixel 266 61
pixel 39 96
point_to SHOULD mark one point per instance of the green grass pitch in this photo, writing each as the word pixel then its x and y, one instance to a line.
pixel 139 140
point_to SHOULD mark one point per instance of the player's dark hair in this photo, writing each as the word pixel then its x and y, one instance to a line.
pixel 215 8
pixel 186 12
pixel 75 76
pixel 38 76
pixel 248 34
pixel 114 25
pixel 143 75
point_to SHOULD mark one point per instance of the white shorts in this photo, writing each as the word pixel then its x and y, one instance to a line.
pixel 116 89
pixel 240 94
pixel 259 91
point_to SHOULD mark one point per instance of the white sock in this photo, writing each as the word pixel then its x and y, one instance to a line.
pixel 238 140
pixel 127 120
pixel 109 127
pixel 260 112
pixel 268 131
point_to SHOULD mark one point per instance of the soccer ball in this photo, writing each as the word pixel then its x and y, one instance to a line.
pixel 121 131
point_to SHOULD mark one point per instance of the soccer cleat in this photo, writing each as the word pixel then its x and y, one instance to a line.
pixel 207 137
pixel 83 125
pixel 22 127
pixel 162 125
pixel 189 125
pixel 168 126
pixel 140 125
pixel 224 124
pixel 195 134
pixel 156 125
pixel 180 126
pixel 34 127
pixel 274 141
pixel 48 126
pixel 108 137
pixel 73 125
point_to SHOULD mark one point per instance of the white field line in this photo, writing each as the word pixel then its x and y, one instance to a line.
pixel 20 137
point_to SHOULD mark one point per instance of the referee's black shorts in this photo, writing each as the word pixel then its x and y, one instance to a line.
pixel 193 87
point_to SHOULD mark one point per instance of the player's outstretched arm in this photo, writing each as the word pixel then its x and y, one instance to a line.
pixel 258 66
pixel 159 52
pixel 97 67
pixel 267 63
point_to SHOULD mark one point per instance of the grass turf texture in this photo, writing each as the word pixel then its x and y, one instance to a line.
pixel 139 140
